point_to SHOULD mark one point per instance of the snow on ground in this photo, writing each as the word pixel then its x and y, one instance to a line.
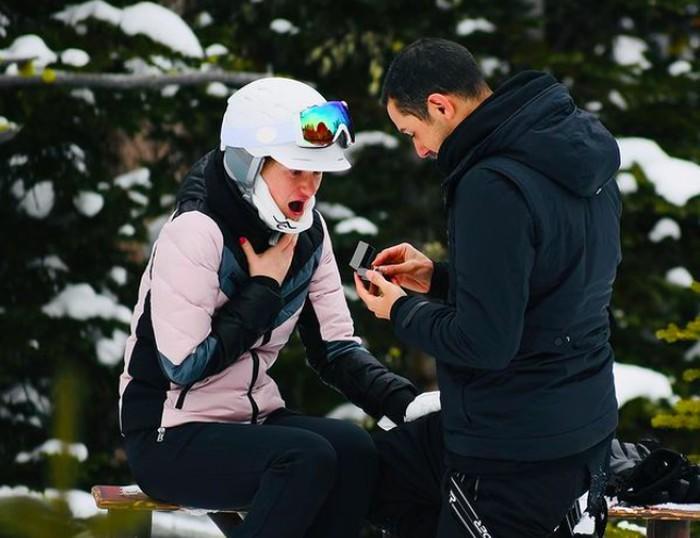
pixel 30 46
pixel 469 26
pixel 676 180
pixel 110 351
pixel 665 228
pixel 636 382
pixel 53 447
pixel 356 224
pixel 79 301
pixel 89 203
pixel 629 51
pixel 147 18
pixel 680 277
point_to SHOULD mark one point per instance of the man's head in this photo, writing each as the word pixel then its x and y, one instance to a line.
pixel 430 87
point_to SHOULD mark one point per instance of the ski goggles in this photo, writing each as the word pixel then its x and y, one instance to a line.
pixel 317 126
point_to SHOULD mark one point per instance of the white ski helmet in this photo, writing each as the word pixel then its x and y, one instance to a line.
pixel 262 120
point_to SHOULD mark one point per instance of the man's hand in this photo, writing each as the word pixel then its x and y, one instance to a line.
pixel 423 404
pixel 410 268
pixel 275 261
pixel 387 294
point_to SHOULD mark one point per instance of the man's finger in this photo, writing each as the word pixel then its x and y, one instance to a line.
pixel 395 269
pixel 389 254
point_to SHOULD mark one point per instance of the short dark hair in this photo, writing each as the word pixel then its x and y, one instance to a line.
pixel 431 65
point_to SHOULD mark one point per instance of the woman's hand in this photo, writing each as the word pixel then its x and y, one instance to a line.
pixel 405 265
pixel 275 261
pixel 387 294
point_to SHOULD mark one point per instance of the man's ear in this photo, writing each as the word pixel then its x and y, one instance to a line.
pixel 441 105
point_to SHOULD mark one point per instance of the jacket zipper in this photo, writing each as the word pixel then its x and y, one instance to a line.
pixel 253 404
pixel 161 434
pixel 181 397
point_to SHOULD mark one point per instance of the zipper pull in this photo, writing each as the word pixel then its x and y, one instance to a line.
pixel 161 434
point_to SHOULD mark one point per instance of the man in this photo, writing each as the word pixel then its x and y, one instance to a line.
pixel 517 319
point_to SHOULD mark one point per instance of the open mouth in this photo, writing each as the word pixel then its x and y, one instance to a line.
pixel 297 206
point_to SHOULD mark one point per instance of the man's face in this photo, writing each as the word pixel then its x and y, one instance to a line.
pixel 290 189
pixel 427 135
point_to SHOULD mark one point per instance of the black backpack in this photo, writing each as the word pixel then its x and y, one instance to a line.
pixel 643 473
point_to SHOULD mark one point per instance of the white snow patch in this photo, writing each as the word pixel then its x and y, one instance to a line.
pixel 215 49
pixel 53 447
pixel 283 26
pixel 118 274
pixel 169 90
pixel 356 224
pixel 626 525
pixel 627 23
pixel 77 156
pixel 372 138
pixel 350 293
pixel 139 66
pixel 146 18
pixel 693 352
pixel 334 211
pixel 636 382
pixel 204 19
pixel 31 46
pixel 85 94
pixel 218 89
pixel 490 65
pixel 165 64
pixel 110 351
pixel 38 201
pixel 26 393
pixel 348 411
pixel 19 491
pixel 138 197
pixel 139 176
pixel 594 106
pixel 627 183
pixel 18 160
pixel 665 228
pixel 675 180
pixel 679 67
pixel 127 230
pixel 469 26
pixel 616 99
pixel 629 51
pixel 75 57
pixel 89 203
pixel 50 262
pixel 166 524
pixel 80 503
pixel 679 276
pixel 167 200
pixel 4 23
pixel 79 301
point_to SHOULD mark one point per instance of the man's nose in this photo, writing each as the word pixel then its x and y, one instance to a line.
pixel 421 150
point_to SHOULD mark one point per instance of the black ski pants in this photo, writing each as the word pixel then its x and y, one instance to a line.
pixel 296 476
pixel 418 496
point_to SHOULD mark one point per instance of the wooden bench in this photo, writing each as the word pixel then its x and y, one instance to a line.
pixel 129 513
pixel 129 510
pixel 662 521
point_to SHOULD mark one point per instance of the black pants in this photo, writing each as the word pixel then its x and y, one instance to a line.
pixel 419 496
pixel 297 476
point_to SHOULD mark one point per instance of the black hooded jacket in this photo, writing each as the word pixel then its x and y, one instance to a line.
pixel 521 326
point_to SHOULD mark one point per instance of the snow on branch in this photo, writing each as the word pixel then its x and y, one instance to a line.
pixel 123 81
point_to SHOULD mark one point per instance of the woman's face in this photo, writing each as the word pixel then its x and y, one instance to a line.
pixel 290 189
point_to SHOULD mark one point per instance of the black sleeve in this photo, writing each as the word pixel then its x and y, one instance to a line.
pixel 440 281
pixel 494 254
pixel 242 320
pixel 355 372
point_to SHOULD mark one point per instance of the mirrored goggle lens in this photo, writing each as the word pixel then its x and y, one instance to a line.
pixel 322 125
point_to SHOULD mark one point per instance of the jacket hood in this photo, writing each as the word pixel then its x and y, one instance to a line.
pixel 532 119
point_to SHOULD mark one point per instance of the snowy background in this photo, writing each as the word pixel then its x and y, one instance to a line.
pixel 88 174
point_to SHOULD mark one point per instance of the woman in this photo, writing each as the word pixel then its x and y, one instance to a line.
pixel 243 261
